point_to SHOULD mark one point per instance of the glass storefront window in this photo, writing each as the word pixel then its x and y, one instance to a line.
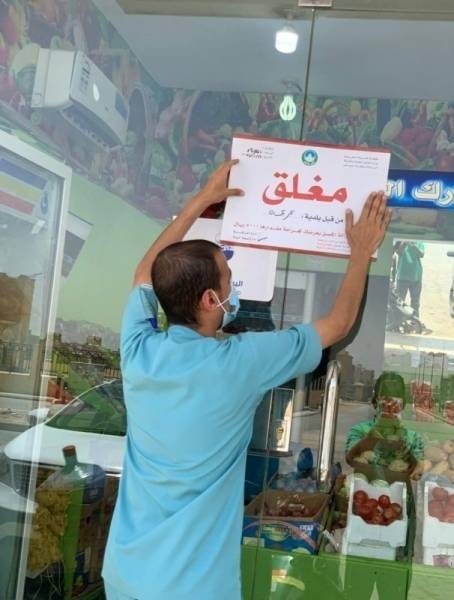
pixel 177 87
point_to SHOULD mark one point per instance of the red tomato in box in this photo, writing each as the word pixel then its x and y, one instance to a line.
pixel 397 509
pixel 439 493
pixel 448 516
pixel 384 501
pixel 377 517
pixel 450 501
pixel 359 497
pixel 436 509
pixel 365 511
pixel 389 515
pixel 372 502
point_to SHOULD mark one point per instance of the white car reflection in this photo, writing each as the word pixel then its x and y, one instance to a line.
pixel 94 422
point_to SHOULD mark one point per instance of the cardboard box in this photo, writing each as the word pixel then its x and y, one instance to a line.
pixel 376 541
pixel 295 533
pixel 373 472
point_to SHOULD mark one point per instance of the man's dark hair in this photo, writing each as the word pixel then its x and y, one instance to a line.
pixel 180 274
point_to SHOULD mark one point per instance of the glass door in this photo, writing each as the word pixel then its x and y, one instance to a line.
pixel 375 80
pixel 33 206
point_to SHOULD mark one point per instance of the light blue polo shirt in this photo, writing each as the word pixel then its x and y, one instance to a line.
pixel 190 402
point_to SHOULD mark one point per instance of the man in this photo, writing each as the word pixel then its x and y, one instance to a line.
pixel 368 435
pixel 191 400
pixel 409 272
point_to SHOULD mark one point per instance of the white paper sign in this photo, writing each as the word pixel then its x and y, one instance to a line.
pixel 296 194
pixel 253 270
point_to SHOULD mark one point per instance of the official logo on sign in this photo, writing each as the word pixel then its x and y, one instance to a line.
pixel 309 158
pixel 227 251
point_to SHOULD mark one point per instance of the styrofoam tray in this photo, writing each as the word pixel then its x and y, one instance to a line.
pixel 434 532
pixel 360 532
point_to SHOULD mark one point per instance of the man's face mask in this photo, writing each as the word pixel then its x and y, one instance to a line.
pixel 234 301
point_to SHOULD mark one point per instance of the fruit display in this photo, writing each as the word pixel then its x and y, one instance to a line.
pixel 422 395
pixel 290 506
pixel 376 511
pixel 48 526
pixel 448 411
pixel 286 520
pixel 441 505
pixel 388 450
pixel 377 520
pixel 438 524
pixel 439 460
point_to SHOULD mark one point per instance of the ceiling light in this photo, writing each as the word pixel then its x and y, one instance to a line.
pixel 287 108
pixel 286 40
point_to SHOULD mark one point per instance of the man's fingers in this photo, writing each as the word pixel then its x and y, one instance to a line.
pixel 348 220
pixel 368 205
pixel 235 192
pixel 387 217
pixel 228 164
pixel 378 206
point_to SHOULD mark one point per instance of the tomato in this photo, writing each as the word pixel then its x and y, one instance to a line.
pixel 372 503
pixel 448 517
pixel 365 511
pixel 436 509
pixel 450 501
pixel 439 493
pixel 377 518
pixel 359 497
pixel 389 515
pixel 384 501
pixel 397 509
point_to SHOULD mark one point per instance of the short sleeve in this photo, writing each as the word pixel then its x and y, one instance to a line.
pixel 282 355
pixel 140 314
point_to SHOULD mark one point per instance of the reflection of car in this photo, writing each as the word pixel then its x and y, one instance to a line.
pixel 451 291
pixel 94 422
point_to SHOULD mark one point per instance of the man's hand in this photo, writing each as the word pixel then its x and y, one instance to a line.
pixel 216 190
pixel 213 192
pixel 366 235
pixel 364 238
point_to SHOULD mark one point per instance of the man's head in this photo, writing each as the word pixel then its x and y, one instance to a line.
pixel 189 275
pixel 389 383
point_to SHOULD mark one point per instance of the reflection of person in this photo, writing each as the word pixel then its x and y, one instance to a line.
pixel 409 272
pixel 366 436
pixel 190 400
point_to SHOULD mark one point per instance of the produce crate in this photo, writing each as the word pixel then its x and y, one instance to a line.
pixel 291 533
pixel 373 472
pixel 376 541
pixel 437 535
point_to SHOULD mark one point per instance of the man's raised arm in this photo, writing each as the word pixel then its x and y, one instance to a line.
pixel 364 238
pixel 214 191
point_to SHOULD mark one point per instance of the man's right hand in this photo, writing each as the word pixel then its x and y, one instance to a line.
pixel 366 235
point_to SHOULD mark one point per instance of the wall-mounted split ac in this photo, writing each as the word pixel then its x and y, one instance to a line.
pixel 71 83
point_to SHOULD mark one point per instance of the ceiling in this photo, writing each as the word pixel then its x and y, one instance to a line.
pixel 362 54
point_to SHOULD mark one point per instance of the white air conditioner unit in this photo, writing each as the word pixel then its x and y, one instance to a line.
pixel 71 83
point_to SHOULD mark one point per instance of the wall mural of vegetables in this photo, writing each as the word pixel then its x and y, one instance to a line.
pixel 177 137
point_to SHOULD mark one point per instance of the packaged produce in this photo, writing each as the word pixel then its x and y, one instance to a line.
pixel 439 460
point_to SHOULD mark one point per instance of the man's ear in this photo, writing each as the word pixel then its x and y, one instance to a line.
pixel 208 300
